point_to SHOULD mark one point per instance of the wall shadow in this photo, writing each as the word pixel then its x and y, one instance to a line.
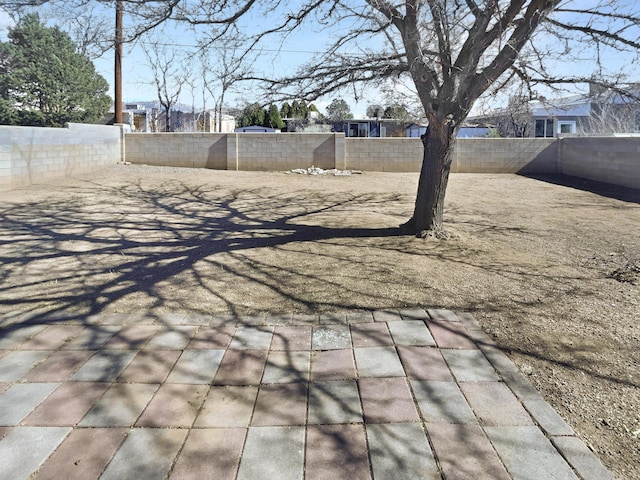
pixel 617 192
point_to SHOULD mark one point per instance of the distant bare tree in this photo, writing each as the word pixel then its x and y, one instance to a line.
pixel 169 76
pixel 515 120
pixel 223 67
pixel 611 112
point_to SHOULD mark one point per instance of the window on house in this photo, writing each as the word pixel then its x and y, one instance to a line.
pixel 566 126
pixel 544 128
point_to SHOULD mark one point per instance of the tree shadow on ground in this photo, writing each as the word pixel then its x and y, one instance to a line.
pixel 177 247
pixel 83 257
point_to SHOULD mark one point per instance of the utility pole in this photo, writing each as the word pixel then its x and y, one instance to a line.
pixel 118 65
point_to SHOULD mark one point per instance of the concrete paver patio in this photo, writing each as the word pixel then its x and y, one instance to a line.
pixel 383 395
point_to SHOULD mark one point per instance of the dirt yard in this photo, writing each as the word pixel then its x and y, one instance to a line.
pixel 551 270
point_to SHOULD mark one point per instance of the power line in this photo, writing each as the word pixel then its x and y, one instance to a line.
pixel 272 50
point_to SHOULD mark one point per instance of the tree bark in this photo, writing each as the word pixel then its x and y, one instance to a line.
pixel 438 144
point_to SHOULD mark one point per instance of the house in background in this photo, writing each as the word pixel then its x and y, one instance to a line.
pixel 136 117
pixel 151 117
pixel 561 117
pixel 600 112
pixel 416 130
pixel 256 129
pixel 475 131
pixel 371 127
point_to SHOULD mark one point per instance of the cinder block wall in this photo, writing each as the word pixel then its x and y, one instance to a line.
pixel 471 155
pixel 196 150
pixel 384 154
pixel 30 155
pixel 505 155
pixel 613 160
pixel 233 151
pixel 279 152
pixel 286 151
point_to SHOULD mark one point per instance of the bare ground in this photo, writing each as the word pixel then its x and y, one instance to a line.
pixel 550 268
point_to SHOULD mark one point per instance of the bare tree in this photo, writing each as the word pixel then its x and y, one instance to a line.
pixel 452 51
pixel 169 76
pixel 145 16
pixel 191 82
pixel 229 65
pixel 515 120
pixel 611 112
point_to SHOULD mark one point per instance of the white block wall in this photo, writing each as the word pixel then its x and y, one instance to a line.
pixel 285 151
pixel 29 154
pixel 32 154
pixel 195 150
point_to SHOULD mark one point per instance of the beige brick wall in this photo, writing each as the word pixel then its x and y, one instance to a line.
pixel 286 151
pixel 505 155
pixel 477 155
pixel 613 160
pixel 233 151
pixel 31 155
pixel 384 154
pixel 195 150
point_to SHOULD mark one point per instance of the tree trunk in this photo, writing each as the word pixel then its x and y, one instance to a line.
pixel 438 147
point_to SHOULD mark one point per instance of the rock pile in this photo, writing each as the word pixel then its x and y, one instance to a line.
pixel 319 171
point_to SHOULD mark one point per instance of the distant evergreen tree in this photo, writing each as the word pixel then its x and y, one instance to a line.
pixel 338 110
pixel 396 111
pixel 295 109
pixel 313 108
pixel 273 119
pixel 45 82
pixel 285 110
pixel 302 109
pixel 252 114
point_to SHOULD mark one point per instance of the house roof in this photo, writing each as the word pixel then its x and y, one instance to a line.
pixel 573 106
pixel 255 128
pixel 578 105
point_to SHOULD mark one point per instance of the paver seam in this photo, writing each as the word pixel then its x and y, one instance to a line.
pixel 514 379
pixel 250 422
pixel 424 428
pixel 444 316
pixel 76 427
pixel 184 442
pixel 415 400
